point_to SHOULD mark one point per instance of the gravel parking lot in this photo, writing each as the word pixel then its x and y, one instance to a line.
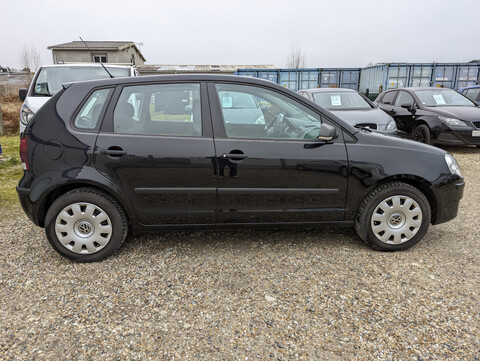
pixel 247 294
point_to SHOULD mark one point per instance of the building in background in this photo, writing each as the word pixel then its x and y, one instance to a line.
pixel 113 52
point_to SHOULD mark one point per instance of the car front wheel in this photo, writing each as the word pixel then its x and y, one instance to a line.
pixel 86 225
pixel 422 134
pixel 393 217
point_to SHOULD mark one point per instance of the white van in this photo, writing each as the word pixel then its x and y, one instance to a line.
pixel 49 79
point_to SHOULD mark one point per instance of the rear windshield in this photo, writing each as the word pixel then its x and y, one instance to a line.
pixel 50 80
pixel 341 100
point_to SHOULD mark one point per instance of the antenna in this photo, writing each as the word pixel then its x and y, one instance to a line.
pixel 111 76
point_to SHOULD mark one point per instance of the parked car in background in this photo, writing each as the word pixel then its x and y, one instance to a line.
pixel 472 93
pixel 352 107
pixel 433 115
pixel 48 80
pixel 93 169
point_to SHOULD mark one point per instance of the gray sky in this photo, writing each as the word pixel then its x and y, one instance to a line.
pixel 348 33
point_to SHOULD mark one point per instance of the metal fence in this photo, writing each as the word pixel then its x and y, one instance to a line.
pixel 378 78
pixel 373 79
pixel 296 79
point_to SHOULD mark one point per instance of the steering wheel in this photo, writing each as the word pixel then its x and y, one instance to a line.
pixel 274 124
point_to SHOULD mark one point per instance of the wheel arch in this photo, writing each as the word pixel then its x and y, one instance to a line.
pixel 59 191
pixel 421 184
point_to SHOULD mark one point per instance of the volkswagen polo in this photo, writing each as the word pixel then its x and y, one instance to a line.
pixel 151 153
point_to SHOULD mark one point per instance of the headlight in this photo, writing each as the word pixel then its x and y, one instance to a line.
pixel 452 121
pixel 25 114
pixel 391 125
pixel 452 165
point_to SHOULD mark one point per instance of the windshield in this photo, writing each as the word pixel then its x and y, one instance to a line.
pixel 442 98
pixel 50 80
pixel 341 100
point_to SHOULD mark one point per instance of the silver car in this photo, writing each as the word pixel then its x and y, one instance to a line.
pixel 352 107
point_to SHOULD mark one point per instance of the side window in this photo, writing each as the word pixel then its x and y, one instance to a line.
pixel 159 109
pixel 89 115
pixel 388 97
pixel 403 98
pixel 255 112
pixel 472 94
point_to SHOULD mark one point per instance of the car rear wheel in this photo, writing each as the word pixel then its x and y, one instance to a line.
pixel 422 134
pixel 86 225
pixel 393 217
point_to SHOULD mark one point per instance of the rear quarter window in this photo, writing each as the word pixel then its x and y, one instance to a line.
pixel 89 115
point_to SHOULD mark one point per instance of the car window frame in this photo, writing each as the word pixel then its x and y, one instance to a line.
pixel 414 104
pixel 395 93
pixel 218 123
pixel 101 118
pixel 207 128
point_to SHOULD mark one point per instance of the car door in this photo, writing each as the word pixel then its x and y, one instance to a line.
pixel 405 118
pixel 276 171
pixel 156 144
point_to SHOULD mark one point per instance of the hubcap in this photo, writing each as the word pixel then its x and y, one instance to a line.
pixel 83 228
pixel 396 219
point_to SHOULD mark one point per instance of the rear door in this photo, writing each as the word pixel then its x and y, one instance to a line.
pixel 156 144
pixel 274 169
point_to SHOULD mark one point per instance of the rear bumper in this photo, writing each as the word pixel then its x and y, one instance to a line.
pixel 30 208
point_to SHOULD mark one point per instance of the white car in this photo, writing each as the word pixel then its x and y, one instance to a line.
pixel 49 79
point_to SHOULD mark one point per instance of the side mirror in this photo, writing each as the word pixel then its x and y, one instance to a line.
pixel 409 107
pixel 22 94
pixel 327 133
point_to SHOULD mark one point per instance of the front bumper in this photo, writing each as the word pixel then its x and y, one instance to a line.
pixel 448 197
pixel 458 136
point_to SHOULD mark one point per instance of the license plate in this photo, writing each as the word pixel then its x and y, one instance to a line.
pixel 475 133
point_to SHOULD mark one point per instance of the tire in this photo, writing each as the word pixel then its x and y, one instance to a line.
pixel 86 225
pixel 422 134
pixel 393 217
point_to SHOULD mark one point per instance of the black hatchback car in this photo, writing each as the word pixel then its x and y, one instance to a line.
pixel 151 153
pixel 433 115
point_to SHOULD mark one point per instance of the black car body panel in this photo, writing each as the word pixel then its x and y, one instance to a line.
pixel 177 181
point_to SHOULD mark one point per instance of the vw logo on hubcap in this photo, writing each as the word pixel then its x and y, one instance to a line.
pixel 84 229
pixel 396 220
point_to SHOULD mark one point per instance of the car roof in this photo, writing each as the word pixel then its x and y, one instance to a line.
pixel 470 87
pixel 93 65
pixel 414 88
pixel 176 78
pixel 328 90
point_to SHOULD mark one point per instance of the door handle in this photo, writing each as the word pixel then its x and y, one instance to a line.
pixel 234 156
pixel 113 152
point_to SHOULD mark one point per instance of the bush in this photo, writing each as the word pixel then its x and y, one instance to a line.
pixel 11 105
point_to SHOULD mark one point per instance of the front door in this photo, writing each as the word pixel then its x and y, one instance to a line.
pixel 269 163
pixel 156 145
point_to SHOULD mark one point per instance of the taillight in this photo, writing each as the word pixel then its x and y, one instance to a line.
pixel 23 152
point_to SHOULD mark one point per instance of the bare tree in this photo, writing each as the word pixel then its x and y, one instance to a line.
pixel 29 58
pixel 296 59
pixel 29 61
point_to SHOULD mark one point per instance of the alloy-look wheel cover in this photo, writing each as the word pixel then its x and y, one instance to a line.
pixel 396 219
pixel 83 228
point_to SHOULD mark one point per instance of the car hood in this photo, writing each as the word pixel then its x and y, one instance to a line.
pixel 383 140
pixel 354 117
pixel 464 113
pixel 35 103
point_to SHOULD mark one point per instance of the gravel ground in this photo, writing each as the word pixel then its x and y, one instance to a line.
pixel 247 294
